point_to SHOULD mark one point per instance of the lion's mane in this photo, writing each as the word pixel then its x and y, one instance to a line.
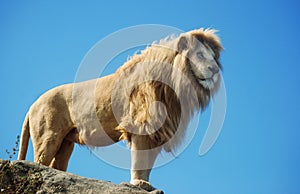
pixel 141 82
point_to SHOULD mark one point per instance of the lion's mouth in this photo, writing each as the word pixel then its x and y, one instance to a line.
pixel 205 79
pixel 206 82
pixel 209 82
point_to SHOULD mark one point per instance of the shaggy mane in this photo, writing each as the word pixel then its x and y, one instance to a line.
pixel 181 97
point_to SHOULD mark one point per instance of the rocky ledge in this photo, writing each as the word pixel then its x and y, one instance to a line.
pixel 28 177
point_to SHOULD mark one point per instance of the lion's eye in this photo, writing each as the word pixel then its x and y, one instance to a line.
pixel 200 55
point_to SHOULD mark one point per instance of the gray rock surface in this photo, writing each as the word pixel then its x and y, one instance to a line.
pixel 28 177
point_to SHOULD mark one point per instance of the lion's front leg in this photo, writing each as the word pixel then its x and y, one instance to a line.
pixel 142 160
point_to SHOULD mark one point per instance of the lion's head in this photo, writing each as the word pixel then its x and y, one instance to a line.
pixel 202 50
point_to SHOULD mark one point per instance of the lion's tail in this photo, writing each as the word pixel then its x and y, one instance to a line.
pixel 24 139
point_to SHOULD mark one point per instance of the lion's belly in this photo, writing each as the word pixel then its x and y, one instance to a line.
pixel 103 136
pixel 99 131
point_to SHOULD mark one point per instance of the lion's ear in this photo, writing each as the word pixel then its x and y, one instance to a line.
pixel 182 44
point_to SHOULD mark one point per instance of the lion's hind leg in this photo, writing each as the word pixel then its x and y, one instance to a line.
pixel 61 159
pixel 45 148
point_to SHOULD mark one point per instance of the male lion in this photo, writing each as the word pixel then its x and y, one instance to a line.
pixel 148 102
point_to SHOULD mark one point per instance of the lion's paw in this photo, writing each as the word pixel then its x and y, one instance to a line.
pixel 143 184
pixel 146 186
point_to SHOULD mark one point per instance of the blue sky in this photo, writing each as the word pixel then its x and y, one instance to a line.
pixel 43 42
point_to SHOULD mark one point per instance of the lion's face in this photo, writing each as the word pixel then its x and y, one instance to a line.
pixel 202 60
pixel 203 65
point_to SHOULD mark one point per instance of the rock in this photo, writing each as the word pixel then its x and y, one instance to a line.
pixel 27 177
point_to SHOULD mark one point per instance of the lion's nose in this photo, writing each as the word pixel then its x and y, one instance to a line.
pixel 214 69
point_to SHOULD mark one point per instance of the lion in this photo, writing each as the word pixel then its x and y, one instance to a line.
pixel 148 102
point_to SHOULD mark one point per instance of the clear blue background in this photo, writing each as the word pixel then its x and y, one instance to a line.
pixel 43 42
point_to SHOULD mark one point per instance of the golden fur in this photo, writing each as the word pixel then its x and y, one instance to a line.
pixel 148 102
